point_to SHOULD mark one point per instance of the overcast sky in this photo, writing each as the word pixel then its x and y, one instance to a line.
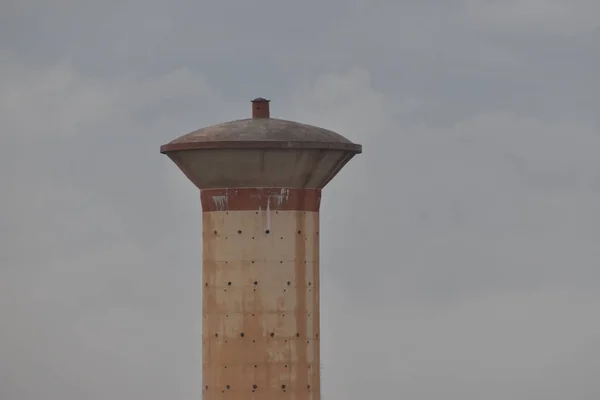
pixel 460 252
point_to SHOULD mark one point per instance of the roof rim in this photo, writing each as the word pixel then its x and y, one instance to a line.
pixel 261 144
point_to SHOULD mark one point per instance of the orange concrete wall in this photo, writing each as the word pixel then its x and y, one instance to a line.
pixel 261 305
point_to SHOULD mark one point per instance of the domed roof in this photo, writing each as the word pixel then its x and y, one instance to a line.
pixel 261 132
pixel 261 152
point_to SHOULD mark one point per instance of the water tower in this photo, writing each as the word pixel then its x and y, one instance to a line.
pixel 260 182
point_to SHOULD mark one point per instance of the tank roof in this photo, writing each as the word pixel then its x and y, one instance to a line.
pixel 261 152
pixel 262 133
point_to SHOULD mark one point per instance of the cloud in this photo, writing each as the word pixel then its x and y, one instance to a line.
pixel 79 289
pixel 67 102
pixel 517 344
pixel 62 100
pixel 534 17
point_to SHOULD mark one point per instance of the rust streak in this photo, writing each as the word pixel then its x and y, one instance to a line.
pixel 315 382
pixel 301 309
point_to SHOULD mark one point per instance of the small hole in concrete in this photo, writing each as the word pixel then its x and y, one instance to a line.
pixel 255 283
pixel 254 386
pixel 284 290
pixel 283 386
pixel 224 290
pixel 297 335
pixel 272 334
pixel 228 283
pixel 252 262
pixel 309 283
pixel 206 387
pixel 252 237
pixel 289 283
pixel 308 386
pixel 239 232
pixel 286 365
pixel 227 387
pixel 299 232
pixel 282 237
pixel 254 341
pixel 267 231
pixel 216 335
pixel 242 334
pixel 255 366
pixel 215 232
pixel 280 262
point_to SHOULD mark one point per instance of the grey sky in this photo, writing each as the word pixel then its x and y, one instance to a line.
pixel 460 253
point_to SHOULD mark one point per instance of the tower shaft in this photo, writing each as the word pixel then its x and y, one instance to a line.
pixel 261 293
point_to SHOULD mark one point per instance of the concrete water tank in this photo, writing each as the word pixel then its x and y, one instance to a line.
pixel 260 182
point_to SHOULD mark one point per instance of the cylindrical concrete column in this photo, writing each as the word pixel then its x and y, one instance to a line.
pixel 261 293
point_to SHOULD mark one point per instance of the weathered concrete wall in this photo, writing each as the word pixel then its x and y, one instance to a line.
pixel 261 294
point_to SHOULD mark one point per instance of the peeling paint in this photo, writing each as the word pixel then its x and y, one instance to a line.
pixel 220 202
pixel 282 197
pixel 250 199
